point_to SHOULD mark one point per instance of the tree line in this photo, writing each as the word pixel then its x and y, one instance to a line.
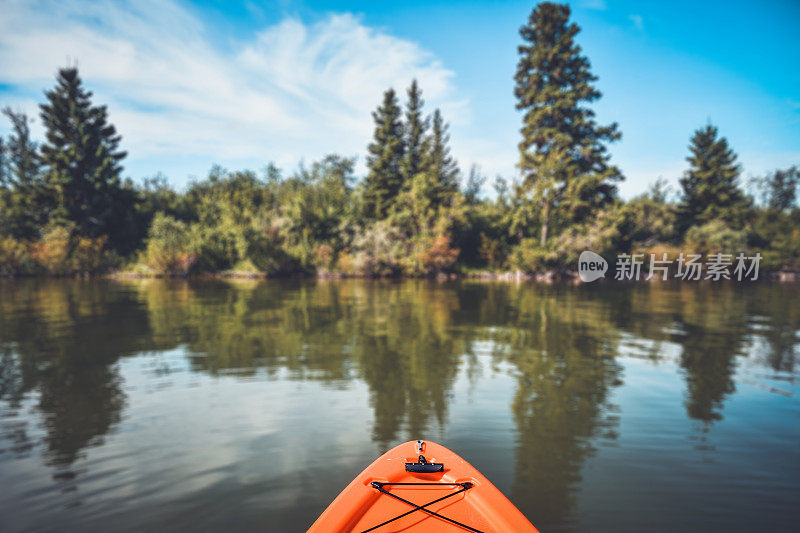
pixel 65 207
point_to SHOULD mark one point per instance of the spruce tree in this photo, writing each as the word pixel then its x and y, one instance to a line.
pixel 24 213
pixel 710 186
pixel 414 135
pixel 22 159
pixel 82 163
pixel 439 164
pixel 385 158
pixel 563 161
pixel 781 188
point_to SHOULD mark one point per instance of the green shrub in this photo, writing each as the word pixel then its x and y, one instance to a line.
pixel 52 252
pixel 168 249
pixel 265 250
pixel 379 250
pixel 605 234
pixel 15 257
pixel 714 237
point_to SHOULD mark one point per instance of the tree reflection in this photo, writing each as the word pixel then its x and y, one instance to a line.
pixel 394 336
pixel 779 315
pixel 562 348
pixel 408 356
pixel 60 343
pixel 714 319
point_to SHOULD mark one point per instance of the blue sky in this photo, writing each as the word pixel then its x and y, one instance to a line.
pixel 244 83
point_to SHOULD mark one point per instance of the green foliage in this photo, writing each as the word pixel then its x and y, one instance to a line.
pixel 438 179
pixel 715 237
pixel 710 186
pixel 779 188
pixel 377 250
pixel 563 159
pixel 483 234
pixel 776 234
pixel 82 164
pixel 384 159
pixel 4 177
pixel 169 247
pixel 415 136
pixel 14 257
pixel 606 233
pixel 440 256
pixel 65 210
pixel 52 251
pixel 63 251
pixel 652 218
pixel 22 161
pixel 23 213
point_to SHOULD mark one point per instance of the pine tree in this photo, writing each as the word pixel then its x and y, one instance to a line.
pixel 781 188
pixel 439 164
pixel 82 163
pixel 24 213
pixel 434 185
pixel 563 160
pixel 385 158
pixel 22 159
pixel 710 186
pixel 415 135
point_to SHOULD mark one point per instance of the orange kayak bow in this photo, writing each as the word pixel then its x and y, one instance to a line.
pixel 421 487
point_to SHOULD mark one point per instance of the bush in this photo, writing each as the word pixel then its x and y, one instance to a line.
pixel 605 234
pixel 61 251
pixel 492 251
pixel 91 255
pixel 324 257
pixel 379 250
pixel 650 221
pixel 14 257
pixel 265 250
pixel 168 247
pixel 440 256
pixel 52 252
pixel 714 237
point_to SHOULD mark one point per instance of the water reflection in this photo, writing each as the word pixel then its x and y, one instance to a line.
pixel 61 343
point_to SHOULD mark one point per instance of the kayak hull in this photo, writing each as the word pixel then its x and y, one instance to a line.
pixel 464 500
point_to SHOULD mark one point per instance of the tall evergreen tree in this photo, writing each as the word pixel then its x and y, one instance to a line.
pixel 82 163
pixel 435 183
pixel 439 164
pixel 385 158
pixel 24 212
pixel 415 135
pixel 563 159
pixel 710 186
pixel 781 188
pixel 22 158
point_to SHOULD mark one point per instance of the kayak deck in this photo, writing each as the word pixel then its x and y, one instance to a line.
pixel 421 487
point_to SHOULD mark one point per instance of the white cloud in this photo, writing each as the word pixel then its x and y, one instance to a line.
pixel 292 90
pixel 638 21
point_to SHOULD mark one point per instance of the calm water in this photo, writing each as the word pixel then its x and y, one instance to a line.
pixel 248 406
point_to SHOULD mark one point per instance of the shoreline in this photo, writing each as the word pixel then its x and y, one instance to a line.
pixel 547 277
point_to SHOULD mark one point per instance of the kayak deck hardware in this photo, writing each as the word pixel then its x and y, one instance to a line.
pixel 463 488
pixel 424 467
